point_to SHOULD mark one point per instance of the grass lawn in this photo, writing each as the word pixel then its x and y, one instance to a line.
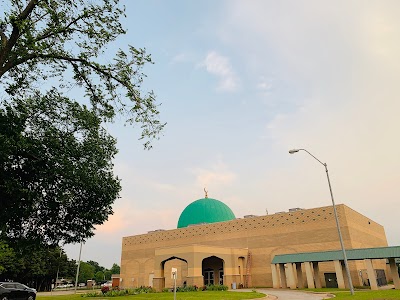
pixel 218 295
pixel 363 294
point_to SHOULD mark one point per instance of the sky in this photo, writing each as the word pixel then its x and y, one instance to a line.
pixel 243 82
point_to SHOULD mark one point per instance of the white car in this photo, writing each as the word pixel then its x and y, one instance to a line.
pixel 108 283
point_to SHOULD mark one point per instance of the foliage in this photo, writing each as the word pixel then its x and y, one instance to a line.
pixel 86 272
pixel 97 267
pixel 106 292
pixel 65 42
pixel 187 288
pixel 56 179
pixel 107 274
pixel 7 257
pixel 212 287
pixel 36 266
pixel 105 289
pixel 115 269
pixel 99 276
pixel 194 288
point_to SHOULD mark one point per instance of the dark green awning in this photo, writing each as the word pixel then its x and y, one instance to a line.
pixel 352 254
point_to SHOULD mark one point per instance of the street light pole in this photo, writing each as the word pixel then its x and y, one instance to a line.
pixel 336 218
pixel 77 269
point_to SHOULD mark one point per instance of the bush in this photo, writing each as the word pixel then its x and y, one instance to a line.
pixel 122 292
pixel 212 287
pixel 187 288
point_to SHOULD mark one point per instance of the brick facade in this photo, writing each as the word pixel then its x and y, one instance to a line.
pixel 304 230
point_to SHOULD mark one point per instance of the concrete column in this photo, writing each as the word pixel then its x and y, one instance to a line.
pixel 317 279
pixel 291 276
pixel 275 278
pixel 299 272
pixel 158 279
pixel 371 274
pixel 282 275
pixel 309 275
pixel 339 274
pixel 395 273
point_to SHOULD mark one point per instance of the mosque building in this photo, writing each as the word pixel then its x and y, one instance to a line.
pixel 297 248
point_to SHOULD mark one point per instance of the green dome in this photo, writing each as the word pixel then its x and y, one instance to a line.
pixel 206 210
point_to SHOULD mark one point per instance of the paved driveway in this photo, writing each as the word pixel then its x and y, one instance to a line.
pixel 290 294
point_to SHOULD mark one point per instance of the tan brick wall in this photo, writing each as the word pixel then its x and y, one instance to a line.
pixel 265 236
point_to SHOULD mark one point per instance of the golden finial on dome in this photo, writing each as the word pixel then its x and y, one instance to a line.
pixel 205 191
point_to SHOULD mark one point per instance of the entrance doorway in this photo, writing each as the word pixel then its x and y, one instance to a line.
pixel 208 277
pixel 166 267
pixel 331 280
pixel 213 270
pixel 221 276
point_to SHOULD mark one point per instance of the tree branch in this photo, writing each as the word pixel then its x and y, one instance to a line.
pixel 71 60
pixel 3 39
pixel 62 30
pixel 15 32
pixel 88 83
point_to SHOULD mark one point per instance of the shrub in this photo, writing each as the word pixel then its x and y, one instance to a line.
pixel 212 287
pixel 122 292
pixel 105 289
pixel 187 288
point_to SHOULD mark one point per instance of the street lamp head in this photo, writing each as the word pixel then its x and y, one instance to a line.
pixel 293 151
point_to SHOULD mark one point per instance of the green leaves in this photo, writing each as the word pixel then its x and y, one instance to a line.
pixel 57 180
pixel 56 177
pixel 7 256
pixel 67 40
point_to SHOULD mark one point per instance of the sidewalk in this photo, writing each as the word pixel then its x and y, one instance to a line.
pixel 282 294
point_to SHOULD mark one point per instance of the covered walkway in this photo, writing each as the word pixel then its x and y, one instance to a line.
pixel 287 268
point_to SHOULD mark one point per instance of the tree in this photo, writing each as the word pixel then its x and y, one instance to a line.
pixel 86 272
pixel 35 266
pixel 7 257
pixel 56 180
pixel 99 276
pixel 95 264
pixel 67 40
pixel 107 274
pixel 115 269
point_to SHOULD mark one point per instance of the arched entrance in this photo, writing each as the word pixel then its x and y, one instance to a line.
pixel 174 262
pixel 213 270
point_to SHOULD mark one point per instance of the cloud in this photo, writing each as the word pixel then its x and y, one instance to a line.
pixel 342 68
pixel 220 66
pixel 181 58
pixel 215 176
pixel 133 218
pixel 264 84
